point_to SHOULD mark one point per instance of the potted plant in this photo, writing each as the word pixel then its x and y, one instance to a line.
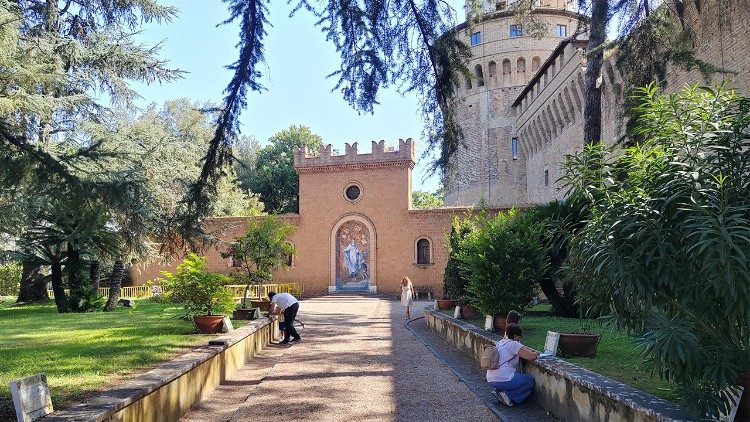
pixel 200 292
pixel 503 258
pixel 580 343
pixel 591 300
pixel 262 249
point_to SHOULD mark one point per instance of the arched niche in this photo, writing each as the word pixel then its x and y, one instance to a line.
pixel 353 254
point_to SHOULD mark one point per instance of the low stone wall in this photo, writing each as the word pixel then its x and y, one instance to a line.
pixel 167 392
pixel 566 390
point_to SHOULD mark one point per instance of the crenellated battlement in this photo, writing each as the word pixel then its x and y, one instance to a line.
pixel 305 159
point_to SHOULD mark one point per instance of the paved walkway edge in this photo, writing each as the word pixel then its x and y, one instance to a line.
pixel 455 371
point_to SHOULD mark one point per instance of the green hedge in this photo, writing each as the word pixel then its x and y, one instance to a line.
pixel 10 279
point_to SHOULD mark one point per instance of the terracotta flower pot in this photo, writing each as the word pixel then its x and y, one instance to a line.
pixel 470 312
pixel 209 324
pixel 499 322
pixel 244 314
pixel 578 345
pixel 445 304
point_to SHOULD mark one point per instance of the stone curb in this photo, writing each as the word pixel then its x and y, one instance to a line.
pixel 653 407
pixel 102 406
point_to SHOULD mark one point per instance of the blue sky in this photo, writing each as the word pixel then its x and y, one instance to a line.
pixel 297 61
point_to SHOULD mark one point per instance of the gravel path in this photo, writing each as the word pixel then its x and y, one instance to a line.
pixel 357 361
pixel 473 376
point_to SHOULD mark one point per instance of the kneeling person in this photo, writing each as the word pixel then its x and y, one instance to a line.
pixel 288 305
pixel 511 386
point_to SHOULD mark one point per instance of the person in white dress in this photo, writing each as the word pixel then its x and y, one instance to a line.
pixel 407 295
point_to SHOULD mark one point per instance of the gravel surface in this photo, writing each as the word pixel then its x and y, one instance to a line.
pixel 357 360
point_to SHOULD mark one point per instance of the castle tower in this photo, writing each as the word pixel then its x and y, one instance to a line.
pixel 505 56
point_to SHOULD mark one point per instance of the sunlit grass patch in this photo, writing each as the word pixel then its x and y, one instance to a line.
pixel 84 352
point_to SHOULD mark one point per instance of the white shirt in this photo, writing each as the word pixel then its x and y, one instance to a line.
pixel 508 351
pixel 283 300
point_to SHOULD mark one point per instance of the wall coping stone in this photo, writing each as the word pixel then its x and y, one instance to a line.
pixel 105 404
pixel 640 401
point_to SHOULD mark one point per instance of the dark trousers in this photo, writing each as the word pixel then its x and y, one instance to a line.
pixel 289 314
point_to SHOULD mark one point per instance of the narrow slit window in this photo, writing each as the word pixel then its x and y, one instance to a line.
pixel 514 147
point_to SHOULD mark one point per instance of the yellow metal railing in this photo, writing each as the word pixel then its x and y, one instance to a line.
pixel 238 290
pixel 260 291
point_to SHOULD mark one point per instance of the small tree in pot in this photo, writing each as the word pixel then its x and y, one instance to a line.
pixel 503 259
pixel 454 279
pixel 200 292
pixel 262 249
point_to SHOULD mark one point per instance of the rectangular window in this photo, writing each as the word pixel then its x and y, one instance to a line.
pixel 516 31
pixel 476 38
pixel 561 31
pixel 546 177
pixel 514 147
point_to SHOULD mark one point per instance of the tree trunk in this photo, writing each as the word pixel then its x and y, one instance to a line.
pixel 94 270
pixel 592 104
pixel 73 271
pixel 115 281
pixel 561 305
pixel 57 287
pixel 33 286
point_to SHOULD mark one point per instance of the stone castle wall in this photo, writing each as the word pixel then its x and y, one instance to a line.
pixel 721 37
pixel 550 118
pixel 546 113
pixel 485 169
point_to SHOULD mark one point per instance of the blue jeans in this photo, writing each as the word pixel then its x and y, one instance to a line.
pixel 518 388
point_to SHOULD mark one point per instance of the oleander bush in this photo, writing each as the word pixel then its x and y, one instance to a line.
pixel 666 248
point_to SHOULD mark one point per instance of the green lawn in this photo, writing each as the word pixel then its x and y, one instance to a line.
pixel 616 357
pixel 84 352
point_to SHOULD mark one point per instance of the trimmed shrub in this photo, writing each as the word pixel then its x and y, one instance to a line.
pixel 455 279
pixel 504 259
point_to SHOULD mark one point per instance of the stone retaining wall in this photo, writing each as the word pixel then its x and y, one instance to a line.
pixel 566 390
pixel 167 392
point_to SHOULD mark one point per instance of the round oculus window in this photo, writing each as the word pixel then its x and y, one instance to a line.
pixel 353 192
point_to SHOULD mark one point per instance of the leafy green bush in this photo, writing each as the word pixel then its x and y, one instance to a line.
pixel 88 301
pixel 197 290
pixel 454 279
pixel 667 245
pixel 503 258
pixel 262 249
pixel 10 279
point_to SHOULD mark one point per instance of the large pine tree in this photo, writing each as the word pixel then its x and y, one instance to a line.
pixel 61 57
